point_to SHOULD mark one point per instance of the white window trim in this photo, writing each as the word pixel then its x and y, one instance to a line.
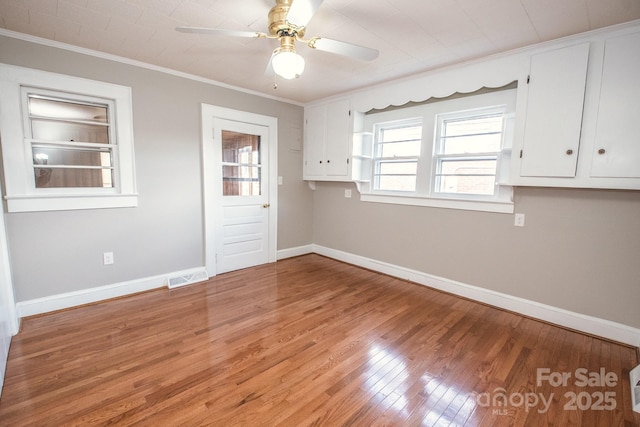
pixel 446 203
pixel 21 194
pixel 501 202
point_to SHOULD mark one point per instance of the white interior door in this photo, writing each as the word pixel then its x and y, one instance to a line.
pixel 242 231
pixel 240 218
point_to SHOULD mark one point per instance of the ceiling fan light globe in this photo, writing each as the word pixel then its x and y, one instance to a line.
pixel 288 65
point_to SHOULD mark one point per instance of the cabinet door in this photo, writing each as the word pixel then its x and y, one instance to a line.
pixel 554 112
pixel 617 143
pixel 314 137
pixel 338 134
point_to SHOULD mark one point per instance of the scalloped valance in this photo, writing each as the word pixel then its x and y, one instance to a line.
pixel 462 78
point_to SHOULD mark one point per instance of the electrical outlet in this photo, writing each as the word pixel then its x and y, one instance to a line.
pixel 107 258
pixel 519 220
pixel 347 193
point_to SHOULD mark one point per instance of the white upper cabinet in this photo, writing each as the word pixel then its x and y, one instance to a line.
pixel 577 120
pixel 581 119
pixel 554 112
pixel 616 151
pixel 327 142
pixel 314 141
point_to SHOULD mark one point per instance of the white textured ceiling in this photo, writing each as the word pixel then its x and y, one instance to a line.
pixel 411 35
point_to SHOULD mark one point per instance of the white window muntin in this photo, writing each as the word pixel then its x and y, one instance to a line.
pixel 440 157
pixel 30 143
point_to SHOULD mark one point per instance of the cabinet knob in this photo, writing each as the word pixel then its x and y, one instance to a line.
pixel 602 151
pixel 328 161
pixel 320 161
pixel 569 152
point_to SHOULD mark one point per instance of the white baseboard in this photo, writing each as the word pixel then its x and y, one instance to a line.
pixel 87 296
pixel 568 319
pixel 580 322
pixel 297 251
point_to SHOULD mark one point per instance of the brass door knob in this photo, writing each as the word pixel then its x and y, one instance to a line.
pixel 266 205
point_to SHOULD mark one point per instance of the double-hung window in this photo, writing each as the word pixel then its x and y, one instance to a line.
pixel 451 153
pixel 397 150
pixel 67 142
pixel 71 140
pixel 466 152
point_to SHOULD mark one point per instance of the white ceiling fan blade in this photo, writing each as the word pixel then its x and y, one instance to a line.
pixel 220 32
pixel 343 48
pixel 301 11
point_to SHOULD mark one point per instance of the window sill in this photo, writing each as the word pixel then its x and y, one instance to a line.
pixel 469 205
pixel 63 203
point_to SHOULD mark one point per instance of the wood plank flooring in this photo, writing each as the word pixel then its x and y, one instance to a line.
pixel 307 341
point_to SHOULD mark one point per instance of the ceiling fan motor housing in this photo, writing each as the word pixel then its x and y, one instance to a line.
pixel 278 25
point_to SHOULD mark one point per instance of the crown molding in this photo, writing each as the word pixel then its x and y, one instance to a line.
pixel 133 62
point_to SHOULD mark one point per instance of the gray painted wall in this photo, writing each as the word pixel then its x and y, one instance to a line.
pixel 579 249
pixel 57 252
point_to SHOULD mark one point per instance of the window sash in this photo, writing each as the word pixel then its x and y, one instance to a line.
pixel 442 158
pixel 70 177
pixel 408 151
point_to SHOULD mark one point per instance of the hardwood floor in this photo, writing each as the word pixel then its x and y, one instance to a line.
pixel 308 341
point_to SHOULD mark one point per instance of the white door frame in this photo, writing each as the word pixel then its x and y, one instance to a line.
pixel 209 169
pixel 9 321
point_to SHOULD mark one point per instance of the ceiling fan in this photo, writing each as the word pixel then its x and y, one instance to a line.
pixel 287 22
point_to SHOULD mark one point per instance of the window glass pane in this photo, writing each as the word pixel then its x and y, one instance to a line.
pixel 488 143
pixel 48 130
pixel 467 176
pixel 468 167
pixel 241 173
pixel 66 177
pixel 241 180
pixel 487 124
pixel 400 149
pixel 482 185
pixel 71 157
pixel 399 141
pixel 404 133
pixel 63 109
pixel 398 168
pixel 396 183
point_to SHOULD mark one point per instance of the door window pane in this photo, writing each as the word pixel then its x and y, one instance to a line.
pixel 241 166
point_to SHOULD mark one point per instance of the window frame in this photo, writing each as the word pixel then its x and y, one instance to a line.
pixel 432 112
pixel 436 158
pixel 21 192
pixel 378 159
pixel 30 142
